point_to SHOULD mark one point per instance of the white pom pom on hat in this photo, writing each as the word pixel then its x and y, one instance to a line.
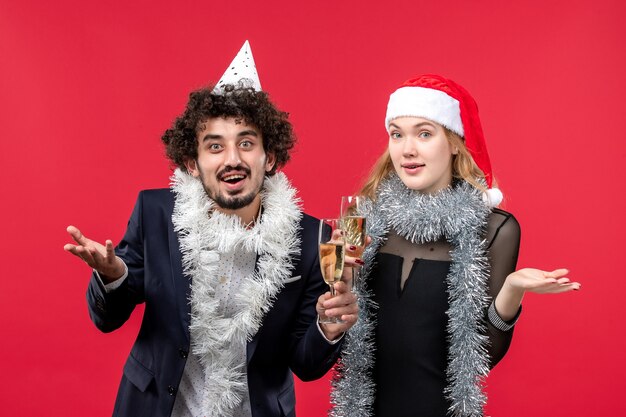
pixel 493 197
pixel 445 102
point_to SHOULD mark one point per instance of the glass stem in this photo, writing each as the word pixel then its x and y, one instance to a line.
pixel 356 277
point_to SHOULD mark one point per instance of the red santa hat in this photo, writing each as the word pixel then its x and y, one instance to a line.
pixel 445 102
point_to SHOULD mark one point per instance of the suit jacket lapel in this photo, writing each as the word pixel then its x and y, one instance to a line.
pixel 180 282
pixel 251 347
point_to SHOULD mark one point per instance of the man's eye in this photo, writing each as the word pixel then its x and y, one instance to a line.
pixel 215 147
pixel 245 144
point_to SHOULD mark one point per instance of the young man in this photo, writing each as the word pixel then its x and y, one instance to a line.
pixel 226 264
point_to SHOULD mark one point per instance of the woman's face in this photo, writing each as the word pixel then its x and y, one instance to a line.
pixel 421 153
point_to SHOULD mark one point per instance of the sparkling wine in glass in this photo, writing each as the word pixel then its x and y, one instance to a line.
pixel 353 225
pixel 331 254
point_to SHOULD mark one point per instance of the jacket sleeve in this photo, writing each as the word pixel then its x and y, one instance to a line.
pixel 311 355
pixel 110 311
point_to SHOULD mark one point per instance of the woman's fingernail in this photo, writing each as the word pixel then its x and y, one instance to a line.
pixel 359 261
pixel 352 247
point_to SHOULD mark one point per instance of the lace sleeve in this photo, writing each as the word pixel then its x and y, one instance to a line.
pixel 503 237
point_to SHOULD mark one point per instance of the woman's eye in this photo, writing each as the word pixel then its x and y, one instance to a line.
pixel 395 135
pixel 425 134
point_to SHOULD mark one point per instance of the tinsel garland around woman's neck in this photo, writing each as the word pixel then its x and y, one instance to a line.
pixel 458 214
pixel 421 217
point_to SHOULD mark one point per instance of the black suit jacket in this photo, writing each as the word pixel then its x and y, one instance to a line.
pixel 288 339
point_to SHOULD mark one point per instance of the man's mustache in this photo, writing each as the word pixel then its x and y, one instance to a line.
pixel 239 168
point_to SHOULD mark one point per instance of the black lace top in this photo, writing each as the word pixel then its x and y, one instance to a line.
pixel 408 283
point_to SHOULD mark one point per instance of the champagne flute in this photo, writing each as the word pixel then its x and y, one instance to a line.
pixel 331 254
pixel 353 225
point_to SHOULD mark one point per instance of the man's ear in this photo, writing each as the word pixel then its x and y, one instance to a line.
pixel 192 167
pixel 270 161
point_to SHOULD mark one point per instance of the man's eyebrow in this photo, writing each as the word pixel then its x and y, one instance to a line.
pixel 209 136
pixel 249 132
pixel 213 136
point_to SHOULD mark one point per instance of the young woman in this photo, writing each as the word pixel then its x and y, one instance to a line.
pixel 440 294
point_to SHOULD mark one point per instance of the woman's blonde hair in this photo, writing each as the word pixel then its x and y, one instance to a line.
pixel 463 167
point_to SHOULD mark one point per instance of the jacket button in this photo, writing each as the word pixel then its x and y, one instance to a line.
pixel 183 353
pixel 171 390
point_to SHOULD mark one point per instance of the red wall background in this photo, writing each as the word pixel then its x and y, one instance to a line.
pixel 87 88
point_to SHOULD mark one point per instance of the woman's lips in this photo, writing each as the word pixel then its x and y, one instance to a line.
pixel 413 168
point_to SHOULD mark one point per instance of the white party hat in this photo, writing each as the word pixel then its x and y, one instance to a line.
pixel 242 71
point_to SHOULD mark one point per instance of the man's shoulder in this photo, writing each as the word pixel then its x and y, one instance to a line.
pixel 157 195
pixel 156 199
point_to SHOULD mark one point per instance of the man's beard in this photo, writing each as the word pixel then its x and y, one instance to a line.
pixel 232 203
pixel 227 202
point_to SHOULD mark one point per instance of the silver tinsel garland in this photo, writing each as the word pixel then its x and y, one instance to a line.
pixel 459 215
pixel 204 234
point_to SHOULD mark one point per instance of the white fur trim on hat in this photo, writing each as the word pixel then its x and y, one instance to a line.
pixel 428 103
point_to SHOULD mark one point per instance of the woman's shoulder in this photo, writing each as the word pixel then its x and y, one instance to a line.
pixel 501 217
pixel 502 226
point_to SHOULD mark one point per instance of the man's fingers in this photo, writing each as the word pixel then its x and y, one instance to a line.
pixel 98 258
pixel 77 235
pixel 86 256
pixel 349 319
pixel 342 311
pixel 81 252
pixel 343 286
pixel 110 253
pixel 71 249
pixel 339 301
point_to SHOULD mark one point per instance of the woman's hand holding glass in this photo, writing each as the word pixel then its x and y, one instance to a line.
pixel 353 225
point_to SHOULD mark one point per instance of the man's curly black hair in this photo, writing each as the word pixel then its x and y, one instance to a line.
pixel 244 104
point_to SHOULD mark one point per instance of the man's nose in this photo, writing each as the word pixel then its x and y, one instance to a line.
pixel 232 156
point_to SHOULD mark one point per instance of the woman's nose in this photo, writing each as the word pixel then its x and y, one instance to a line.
pixel 409 147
